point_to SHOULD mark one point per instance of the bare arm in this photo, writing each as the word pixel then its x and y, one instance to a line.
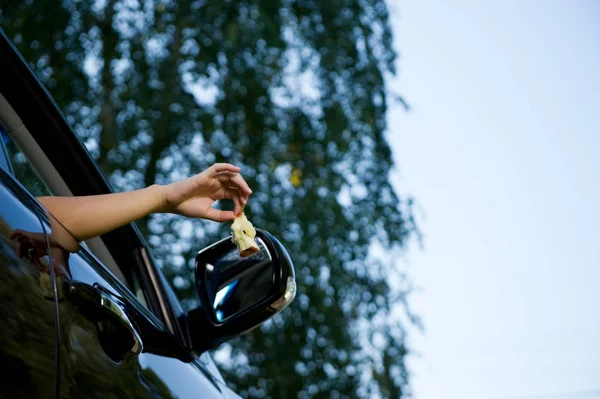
pixel 91 216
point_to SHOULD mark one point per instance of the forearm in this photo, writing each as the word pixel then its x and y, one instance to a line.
pixel 91 216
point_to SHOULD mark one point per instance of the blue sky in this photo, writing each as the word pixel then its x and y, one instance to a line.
pixel 501 149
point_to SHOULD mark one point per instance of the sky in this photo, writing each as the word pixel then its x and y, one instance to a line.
pixel 501 150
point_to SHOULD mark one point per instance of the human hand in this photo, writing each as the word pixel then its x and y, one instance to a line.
pixel 29 245
pixel 194 196
pixel 33 247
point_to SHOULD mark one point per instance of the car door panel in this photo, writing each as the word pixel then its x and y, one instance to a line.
pixel 27 307
pixel 86 368
pixel 186 380
pixel 90 365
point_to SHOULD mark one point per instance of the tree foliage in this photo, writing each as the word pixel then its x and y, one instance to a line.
pixel 293 92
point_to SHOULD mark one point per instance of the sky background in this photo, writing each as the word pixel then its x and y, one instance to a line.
pixel 501 150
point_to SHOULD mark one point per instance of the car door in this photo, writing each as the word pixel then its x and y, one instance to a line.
pixel 107 338
pixel 28 339
pixel 110 344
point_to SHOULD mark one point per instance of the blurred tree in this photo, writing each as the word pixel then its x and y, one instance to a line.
pixel 292 91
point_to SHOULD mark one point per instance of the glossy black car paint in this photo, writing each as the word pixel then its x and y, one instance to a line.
pixel 28 341
pixel 50 345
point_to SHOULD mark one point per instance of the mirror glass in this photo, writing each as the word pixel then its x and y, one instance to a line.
pixel 234 283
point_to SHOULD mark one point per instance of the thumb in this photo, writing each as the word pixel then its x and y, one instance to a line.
pixel 217 215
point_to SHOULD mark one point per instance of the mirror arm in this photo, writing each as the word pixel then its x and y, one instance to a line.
pixel 200 333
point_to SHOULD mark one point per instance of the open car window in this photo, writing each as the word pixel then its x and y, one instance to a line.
pixel 4 159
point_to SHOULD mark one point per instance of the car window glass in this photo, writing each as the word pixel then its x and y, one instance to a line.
pixel 3 153
pixel 22 169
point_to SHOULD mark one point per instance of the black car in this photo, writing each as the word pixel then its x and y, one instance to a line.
pixel 101 320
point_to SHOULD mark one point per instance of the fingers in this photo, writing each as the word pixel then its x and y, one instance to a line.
pixel 21 249
pixel 238 201
pixel 16 234
pixel 217 215
pixel 234 179
pixel 239 181
pixel 221 180
pixel 228 173
pixel 223 167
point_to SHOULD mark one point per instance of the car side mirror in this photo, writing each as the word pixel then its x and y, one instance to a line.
pixel 237 293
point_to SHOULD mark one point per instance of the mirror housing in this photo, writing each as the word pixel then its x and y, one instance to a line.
pixel 237 294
